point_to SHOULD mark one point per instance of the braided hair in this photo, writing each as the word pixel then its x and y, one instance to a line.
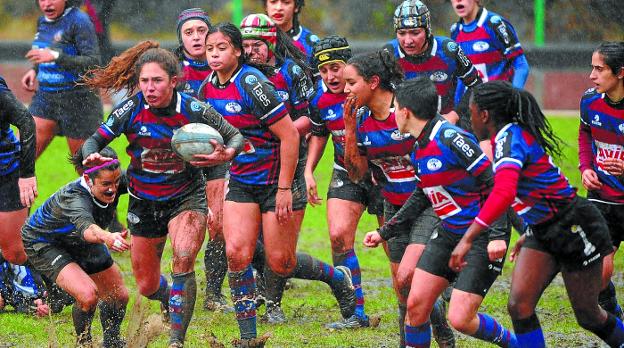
pixel 379 63
pixel 506 104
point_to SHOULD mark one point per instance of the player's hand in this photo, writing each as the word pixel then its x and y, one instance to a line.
pixel 372 239
pixel 452 117
pixel 95 159
pixel 117 241
pixel 349 112
pixel 457 262
pixel 516 249
pixel 283 206
pixel 28 80
pixel 40 55
pixel 220 155
pixel 590 180
pixel 41 308
pixel 28 190
pixel 496 249
pixel 613 166
pixel 311 190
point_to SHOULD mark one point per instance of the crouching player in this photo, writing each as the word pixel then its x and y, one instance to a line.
pixel 65 240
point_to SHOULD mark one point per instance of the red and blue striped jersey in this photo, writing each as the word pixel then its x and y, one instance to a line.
pixel 249 102
pixel 542 189
pixel 293 87
pixel 443 62
pixel 491 43
pixel 326 118
pixel 303 39
pixel 601 136
pixel 387 150
pixel 194 72
pixel 448 162
pixel 155 171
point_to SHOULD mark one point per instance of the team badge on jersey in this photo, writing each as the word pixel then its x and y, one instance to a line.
pixel 195 106
pixel 480 46
pixel 233 107
pixel 434 164
pixel 283 95
pixel 621 127
pixel 58 36
pixel 396 135
pixel 438 76
pixel 449 133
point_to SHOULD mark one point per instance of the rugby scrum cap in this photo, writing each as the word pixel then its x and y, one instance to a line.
pixel 412 14
pixel 331 49
pixel 259 26
pixel 187 15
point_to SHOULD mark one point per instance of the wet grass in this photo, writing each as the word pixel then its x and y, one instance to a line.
pixel 309 305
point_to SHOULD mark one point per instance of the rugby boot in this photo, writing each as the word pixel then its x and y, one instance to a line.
pixel 354 322
pixel 345 293
pixel 274 314
pixel 257 342
pixel 217 303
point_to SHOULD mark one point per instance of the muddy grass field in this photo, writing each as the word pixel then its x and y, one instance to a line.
pixel 308 305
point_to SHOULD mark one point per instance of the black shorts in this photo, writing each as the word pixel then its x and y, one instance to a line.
pixel 299 194
pixel 51 258
pixel 364 192
pixel 263 195
pixel 577 237
pixel 216 172
pixel 476 277
pixel 614 215
pixel 150 219
pixel 9 191
pixel 417 232
pixel 78 113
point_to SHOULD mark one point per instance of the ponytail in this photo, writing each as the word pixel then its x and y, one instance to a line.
pixel 123 71
pixel 285 48
pixel 379 63
pixel 506 104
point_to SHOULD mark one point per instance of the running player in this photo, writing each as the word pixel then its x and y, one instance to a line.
pixel 285 13
pixel 18 185
pixel 421 54
pixel 601 151
pixel 491 44
pixel 455 176
pixel 370 80
pixel 567 233
pixel 346 199
pixel 265 43
pixel 260 189
pixel 65 46
pixel 167 195
pixel 65 240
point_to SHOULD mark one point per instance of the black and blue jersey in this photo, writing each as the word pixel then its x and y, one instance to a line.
pixel 15 154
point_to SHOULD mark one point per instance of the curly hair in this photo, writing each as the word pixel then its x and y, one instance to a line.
pixel 379 63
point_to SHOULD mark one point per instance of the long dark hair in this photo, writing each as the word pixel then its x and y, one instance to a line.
pixel 506 104
pixel 613 54
pixel 236 38
pixel 285 48
pixel 379 63
pixel 76 160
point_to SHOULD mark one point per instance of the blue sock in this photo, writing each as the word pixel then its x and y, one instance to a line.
pixel 492 331
pixel 529 332
pixel 608 300
pixel 350 260
pixel 163 292
pixel 418 336
pixel 181 304
pixel 243 290
pixel 612 331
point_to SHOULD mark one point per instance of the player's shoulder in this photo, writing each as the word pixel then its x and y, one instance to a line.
pixel 392 46
pixel 128 106
pixel 448 45
pixel 309 36
pixel 454 29
pixel 3 85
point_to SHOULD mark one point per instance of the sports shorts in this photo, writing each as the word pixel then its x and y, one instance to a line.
pixel 263 195
pixel 364 192
pixel 150 219
pixel 613 214
pixel 577 237
pixel 476 277
pixel 78 112
pixel 418 231
pixel 9 191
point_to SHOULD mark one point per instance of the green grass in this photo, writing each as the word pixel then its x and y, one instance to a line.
pixel 309 305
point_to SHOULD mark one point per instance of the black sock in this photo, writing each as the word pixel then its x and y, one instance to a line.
pixel 608 300
pixel 402 313
pixel 215 262
pixel 275 285
pixel 111 316
pixel 181 304
pixel 313 269
pixel 611 331
pixel 82 323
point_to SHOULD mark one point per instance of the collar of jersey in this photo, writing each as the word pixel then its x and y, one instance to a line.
pixel 84 184
pixel 214 79
pixel 502 131
pixel 59 17
pixel 173 108
pixel 478 22
pixel 616 105
pixel 430 130
pixel 295 32
pixel 195 63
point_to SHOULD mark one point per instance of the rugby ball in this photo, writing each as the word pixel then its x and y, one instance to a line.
pixel 194 139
